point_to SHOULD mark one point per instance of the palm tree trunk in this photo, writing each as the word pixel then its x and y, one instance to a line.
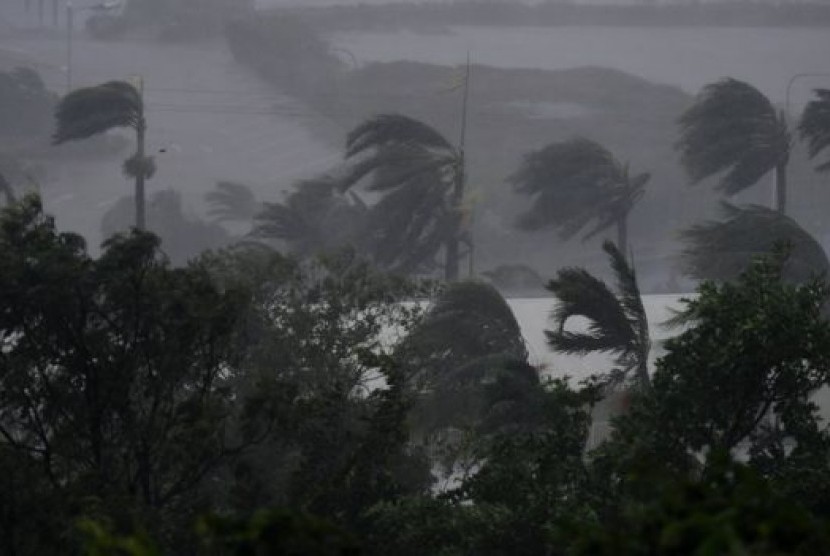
pixel 140 215
pixel 622 233
pixel 781 187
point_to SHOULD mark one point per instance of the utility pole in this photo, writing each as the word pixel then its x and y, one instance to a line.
pixel 463 171
pixel 457 194
pixel 70 23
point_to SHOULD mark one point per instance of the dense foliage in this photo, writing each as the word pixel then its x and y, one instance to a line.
pixel 250 404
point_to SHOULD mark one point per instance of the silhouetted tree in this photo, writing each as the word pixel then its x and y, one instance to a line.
pixel 722 250
pixel 421 179
pixel 231 201
pixel 814 126
pixel 617 322
pixel 577 182
pixel 92 110
pixel 734 130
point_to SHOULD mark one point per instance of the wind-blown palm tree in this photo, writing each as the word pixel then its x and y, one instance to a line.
pixel 733 130
pixel 92 110
pixel 617 322
pixel 814 126
pixel 722 250
pixel 232 202
pixel 421 178
pixel 467 343
pixel 314 217
pixel 575 183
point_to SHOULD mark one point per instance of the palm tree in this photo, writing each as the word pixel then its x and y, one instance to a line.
pixel 617 322
pixel 814 126
pixel 92 110
pixel 232 202
pixel 421 178
pixel 314 217
pixel 722 250
pixel 574 183
pixel 733 129
pixel 467 363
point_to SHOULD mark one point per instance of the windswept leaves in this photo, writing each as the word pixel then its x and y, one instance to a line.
pixel 231 201
pixel 617 322
pixel 93 110
pixel 732 129
pixel 721 250
pixel 814 126
pixel 416 170
pixel 573 183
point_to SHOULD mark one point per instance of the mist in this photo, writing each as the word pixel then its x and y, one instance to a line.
pixel 465 177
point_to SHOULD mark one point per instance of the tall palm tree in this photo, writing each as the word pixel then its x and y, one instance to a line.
pixel 617 322
pixel 421 178
pixel 722 250
pixel 733 130
pixel 576 182
pixel 92 110
pixel 814 126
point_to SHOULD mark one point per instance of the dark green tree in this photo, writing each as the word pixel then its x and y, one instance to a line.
pixel 93 110
pixel 733 131
pixel 575 183
pixel 420 176
pixel 739 379
pixel 617 322
pixel 814 126
pixel 114 375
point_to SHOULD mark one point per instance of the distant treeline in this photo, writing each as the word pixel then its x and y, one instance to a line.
pixel 435 16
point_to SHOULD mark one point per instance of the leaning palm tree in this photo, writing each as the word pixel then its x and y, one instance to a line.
pixel 617 322
pixel 420 176
pixel 232 202
pixel 732 130
pixel 92 110
pixel 814 126
pixel 467 363
pixel 315 217
pixel 722 250
pixel 578 184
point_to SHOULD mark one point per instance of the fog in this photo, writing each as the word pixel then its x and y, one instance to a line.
pixel 398 247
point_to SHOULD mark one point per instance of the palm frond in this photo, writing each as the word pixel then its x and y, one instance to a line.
pixel 396 165
pixel 385 129
pixel 231 201
pixel 721 250
pixel 93 110
pixel 579 294
pixel 277 221
pixel 814 126
pixel 731 128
